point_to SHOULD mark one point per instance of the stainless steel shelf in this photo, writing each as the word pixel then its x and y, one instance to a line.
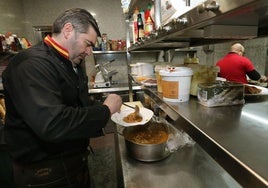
pixel 108 52
pixel 112 89
pixel 232 20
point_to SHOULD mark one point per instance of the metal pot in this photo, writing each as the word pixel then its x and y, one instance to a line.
pixel 146 152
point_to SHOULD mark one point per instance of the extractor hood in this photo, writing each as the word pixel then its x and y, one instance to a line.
pixel 213 21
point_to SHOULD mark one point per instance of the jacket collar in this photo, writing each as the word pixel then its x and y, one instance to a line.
pixel 49 41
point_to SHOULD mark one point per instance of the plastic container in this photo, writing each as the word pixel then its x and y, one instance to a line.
pixel 157 69
pixel 220 93
pixel 202 74
pixel 135 69
pixel 176 82
pixel 146 68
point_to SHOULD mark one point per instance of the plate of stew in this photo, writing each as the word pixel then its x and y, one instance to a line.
pixel 127 117
pixel 254 90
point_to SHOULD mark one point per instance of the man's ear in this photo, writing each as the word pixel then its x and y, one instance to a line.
pixel 67 30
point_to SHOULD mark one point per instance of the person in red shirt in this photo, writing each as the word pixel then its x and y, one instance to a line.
pixel 235 67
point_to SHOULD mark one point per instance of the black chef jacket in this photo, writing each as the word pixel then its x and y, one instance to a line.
pixel 48 109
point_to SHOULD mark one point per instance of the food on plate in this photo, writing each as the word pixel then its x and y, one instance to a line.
pixel 252 89
pixel 134 116
pixel 140 78
pixel 149 81
pixel 148 134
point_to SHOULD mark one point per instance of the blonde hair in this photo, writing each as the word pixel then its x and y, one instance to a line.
pixel 238 48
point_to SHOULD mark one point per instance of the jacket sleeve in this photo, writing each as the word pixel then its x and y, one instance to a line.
pixel 254 75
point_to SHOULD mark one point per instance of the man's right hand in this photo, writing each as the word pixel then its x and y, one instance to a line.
pixel 114 102
pixel 263 79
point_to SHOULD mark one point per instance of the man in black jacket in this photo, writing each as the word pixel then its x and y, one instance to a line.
pixel 49 117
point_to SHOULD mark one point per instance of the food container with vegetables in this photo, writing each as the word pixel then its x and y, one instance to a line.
pixel 202 74
pixel 220 93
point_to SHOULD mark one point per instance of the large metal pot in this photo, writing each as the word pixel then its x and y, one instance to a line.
pixel 146 152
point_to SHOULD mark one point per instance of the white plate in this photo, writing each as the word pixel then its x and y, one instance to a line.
pixel 148 83
pixel 145 113
pixel 264 91
pixel 220 79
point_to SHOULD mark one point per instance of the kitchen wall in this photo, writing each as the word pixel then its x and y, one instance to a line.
pixel 12 17
pixel 19 16
pixel 109 14
pixel 255 50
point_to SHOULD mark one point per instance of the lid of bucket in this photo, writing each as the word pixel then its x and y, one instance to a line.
pixel 176 71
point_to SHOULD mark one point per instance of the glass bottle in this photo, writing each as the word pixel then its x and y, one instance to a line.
pixel 135 25
pixel 148 27
pixel 140 27
pixel 104 40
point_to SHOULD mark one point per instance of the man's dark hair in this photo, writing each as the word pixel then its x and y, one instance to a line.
pixel 81 20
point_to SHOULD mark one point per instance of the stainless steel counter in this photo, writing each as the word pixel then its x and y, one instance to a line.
pixel 235 136
pixel 188 167
pixel 116 88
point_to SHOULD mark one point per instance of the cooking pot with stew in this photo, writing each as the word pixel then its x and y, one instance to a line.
pixel 148 142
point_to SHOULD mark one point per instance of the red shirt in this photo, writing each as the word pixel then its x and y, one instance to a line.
pixel 234 67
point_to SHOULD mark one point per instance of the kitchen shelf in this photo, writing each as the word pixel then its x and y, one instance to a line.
pixel 233 20
pixel 188 49
pixel 108 52
pixel 139 4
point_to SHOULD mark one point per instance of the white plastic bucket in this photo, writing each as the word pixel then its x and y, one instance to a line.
pixel 176 83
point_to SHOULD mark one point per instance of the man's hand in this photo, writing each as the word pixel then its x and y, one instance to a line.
pixel 263 79
pixel 113 102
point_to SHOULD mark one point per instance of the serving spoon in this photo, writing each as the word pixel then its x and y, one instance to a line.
pixel 129 106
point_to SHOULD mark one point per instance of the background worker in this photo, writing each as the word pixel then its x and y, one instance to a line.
pixel 235 67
